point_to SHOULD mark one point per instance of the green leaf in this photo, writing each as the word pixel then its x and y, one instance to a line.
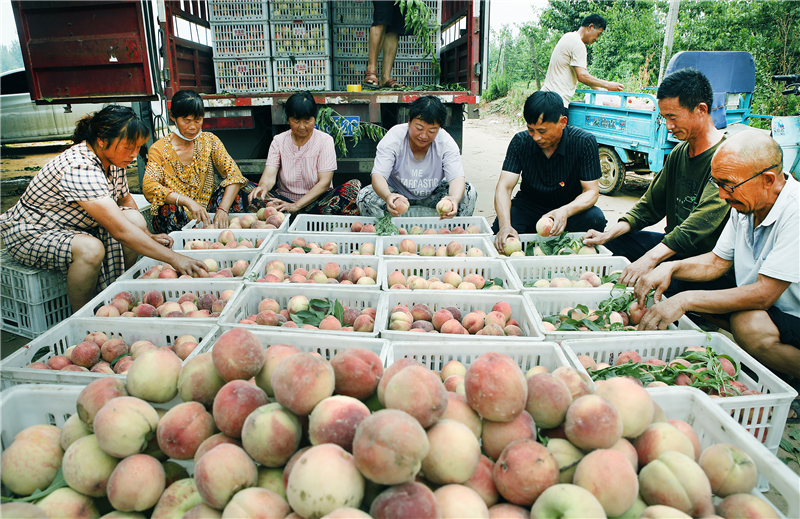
pixel 543 439
pixel 319 303
pixel 787 446
pixel 57 483
pixel 795 434
pixel 338 311
pixel 41 352
pixel 120 357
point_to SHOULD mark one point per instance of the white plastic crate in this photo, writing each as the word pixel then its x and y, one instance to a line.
pixel 467 242
pixel 224 260
pixel 360 12
pixel 713 425
pixel 298 9
pixel 195 225
pixel 324 223
pixel 247 304
pixel 171 291
pixel 300 38
pixel 182 239
pixel 240 39
pixel 29 320
pixel 317 261
pixel 348 71
pixel 72 331
pixel 437 299
pixel 411 72
pixel 243 74
pixel 351 41
pixel 237 10
pixel 488 268
pixel 527 238
pixel 348 243
pixel 408 48
pixel 776 398
pixel 551 302
pixel 533 268
pixel 318 344
pixel 304 73
pixel 436 355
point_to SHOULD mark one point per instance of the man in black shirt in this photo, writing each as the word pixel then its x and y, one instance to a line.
pixel 560 167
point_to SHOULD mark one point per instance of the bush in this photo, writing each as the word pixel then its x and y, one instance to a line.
pixel 498 87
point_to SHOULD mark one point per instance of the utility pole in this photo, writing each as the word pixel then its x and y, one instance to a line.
pixel 666 50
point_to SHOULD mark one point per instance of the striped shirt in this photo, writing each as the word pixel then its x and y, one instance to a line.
pixel 553 182
pixel 299 168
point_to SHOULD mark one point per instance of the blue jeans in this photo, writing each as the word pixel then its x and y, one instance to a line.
pixel 634 245
pixel 524 216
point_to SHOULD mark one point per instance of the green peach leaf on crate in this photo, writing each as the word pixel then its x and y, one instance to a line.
pixel 795 434
pixel 322 304
pixel 590 324
pixel 611 278
pixel 305 249
pixel 120 357
pixel 41 352
pixel 543 439
pixel 338 311
pixel 492 282
pixel 58 482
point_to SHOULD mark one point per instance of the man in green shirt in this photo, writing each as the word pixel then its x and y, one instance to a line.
pixel 681 191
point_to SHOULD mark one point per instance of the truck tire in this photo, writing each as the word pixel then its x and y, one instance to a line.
pixel 612 170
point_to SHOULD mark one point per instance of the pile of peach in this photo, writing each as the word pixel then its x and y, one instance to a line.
pixel 153 305
pixel 331 273
pixel 393 443
pixel 416 229
pixel 329 247
pixel 97 354
pixel 225 240
pixel 166 271
pixel 271 314
pixel 420 318
pixel 628 319
pixel 450 280
pixel 453 250
pixel 587 280
pixel 266 218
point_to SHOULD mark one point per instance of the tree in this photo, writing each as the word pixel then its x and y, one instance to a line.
pixel 10 56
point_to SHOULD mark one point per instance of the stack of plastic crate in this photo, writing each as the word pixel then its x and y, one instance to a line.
pixel 350 35
pixel 301 44
pixel 240 32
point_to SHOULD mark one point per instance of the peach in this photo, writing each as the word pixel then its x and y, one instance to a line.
pixel 335 419
pixel 122 367
pixel 357 372
pixel 272 357
pixel 198 380
pixel 459 410
pixel 658 438
pixel 124 425
pixel 459 501
pixel 524 470
pixel 508 511
pixel 181 431
pixel 674 479
pixel 441 317
pixel 98 338
pixel 476 280
pixel 568 501
pixel 233 404
pixel 453 367
pixel 497 435
pixel 389 447
pixel 206 301
pixel 153 298
pixel 364 324
pixel 107 311
pixel 633 402
pixel 592 422
pixel 495 318
pixel 222 472
pixel 120 305
pixel 690 433
pixel 473 322
pixel 495 387
pixel 567 456
pixel 112 349
pixel 33 459
pixel 482 481
pixel 73 430
pixel 453 327
pixel 390 372
pixel 184 349
pixel 256 502
pixel 451 278
pixel 73 367
pixel 409 500
pixel 627 449
pixel 271 434
pixel 153 376
pixel 421 312
pixel 20 510
pixel 58 362
pixel 454 453
pixel 237 355
pixel 745 506
pixel 211 442
pixel 419 392
pixel 145 310
pixel 729 469
pixel 65 502
pixel 136 483
pixel 578 383
pixel 312 493
pixel 86 354
pixel 504 308
pixel 301 381
pixel 587 362
pixel 609 476
pixel 627 356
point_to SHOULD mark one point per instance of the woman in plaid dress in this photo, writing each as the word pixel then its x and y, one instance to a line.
pixel 300 167
pixel 77 215
pixel 180 172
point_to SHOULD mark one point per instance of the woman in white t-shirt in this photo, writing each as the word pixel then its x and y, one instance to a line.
pixel 299 171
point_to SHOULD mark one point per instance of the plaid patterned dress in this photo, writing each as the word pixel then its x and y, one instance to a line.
pixel 38 230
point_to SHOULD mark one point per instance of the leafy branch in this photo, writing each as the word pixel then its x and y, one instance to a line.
pixel 319 309
pixel 385 227
pixel 419 19
pixel 332 122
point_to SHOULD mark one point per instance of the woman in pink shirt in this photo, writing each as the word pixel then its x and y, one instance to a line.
pixel 300 165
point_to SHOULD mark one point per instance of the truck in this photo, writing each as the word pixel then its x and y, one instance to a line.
pixel 139 51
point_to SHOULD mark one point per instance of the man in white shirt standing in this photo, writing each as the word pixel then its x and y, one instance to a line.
pixel 418 163
pixel 760 242
pixel 568 61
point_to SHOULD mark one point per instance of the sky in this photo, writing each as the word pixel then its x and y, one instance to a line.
pixel 502 12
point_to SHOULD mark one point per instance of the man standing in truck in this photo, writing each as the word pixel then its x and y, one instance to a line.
pixel 682 191
pixel 568 61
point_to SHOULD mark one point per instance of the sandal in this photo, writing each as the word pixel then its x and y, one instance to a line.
pixel 392 83
pixel 370 80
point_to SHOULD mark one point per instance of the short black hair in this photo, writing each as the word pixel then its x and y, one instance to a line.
pixel 428 108
pixel 301 105
pixel 186 103
pixel 111 123
pixel 690 86
pixel 547 105
pixel 594 19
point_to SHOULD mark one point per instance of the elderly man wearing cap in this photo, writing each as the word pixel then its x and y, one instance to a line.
pixel 760 242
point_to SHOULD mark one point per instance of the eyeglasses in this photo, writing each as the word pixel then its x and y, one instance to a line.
pixel 730 189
